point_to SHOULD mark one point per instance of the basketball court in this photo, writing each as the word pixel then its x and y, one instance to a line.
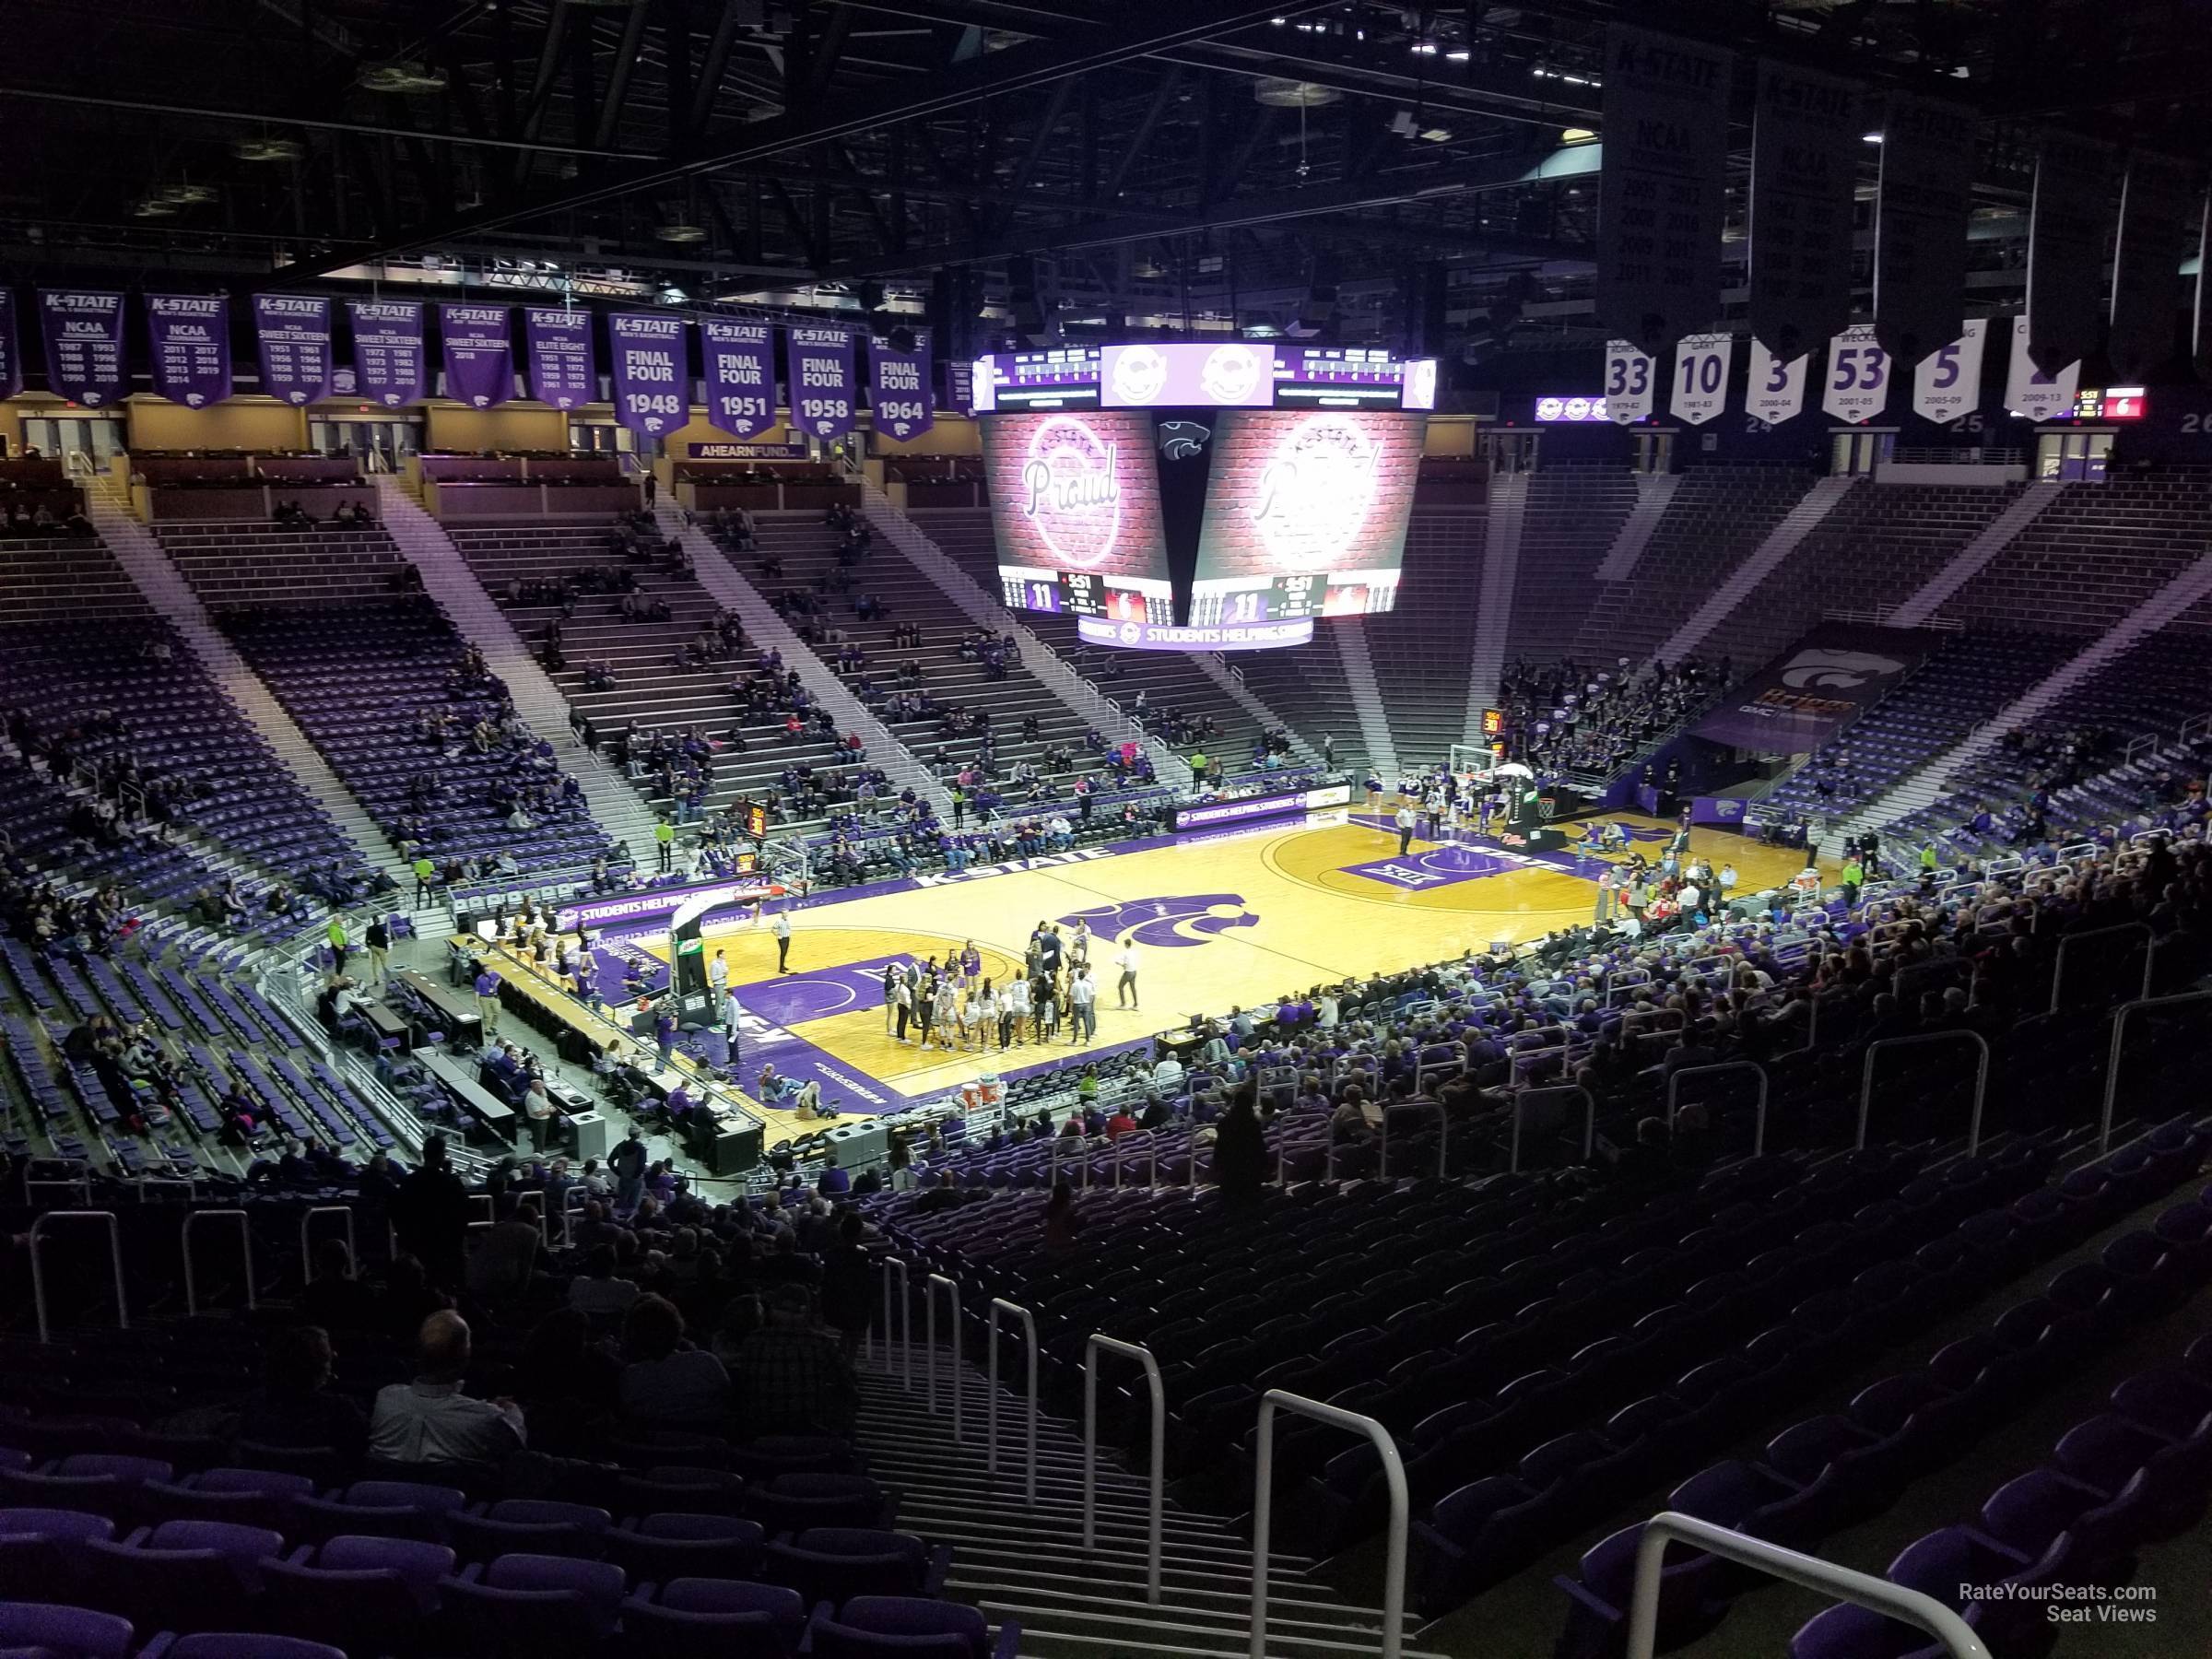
pixel 1233 919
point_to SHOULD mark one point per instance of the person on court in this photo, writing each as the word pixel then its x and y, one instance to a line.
pixel 781 929
pixel 733 1015
pixel 1406 822
pixel 1125 989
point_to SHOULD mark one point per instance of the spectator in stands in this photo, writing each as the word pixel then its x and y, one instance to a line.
pixel 431 1215
pixel 667 1382
pixel 1240 1148
pixel 295 1409
pixel 790 1377
pixel 429 1420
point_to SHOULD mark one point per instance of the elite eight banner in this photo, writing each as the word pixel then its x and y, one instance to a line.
pixel 388 365
pixel 190 335
pixel 899 397
pixel 741 375
pixel 295 347
pixel 822 384
pixel 83 331
pixel 563 371
pixel 651 393
pixel 11 349
pixel 479 354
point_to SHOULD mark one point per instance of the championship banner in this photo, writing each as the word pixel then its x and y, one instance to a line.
pixel 1805 139
pixel 1857 388
pixel 648 366
pixel 295 347
pixel 1948 385
pixel 1920 225
pixel 822 383
pixel 741 375
pixel 1820 685
pixel 2065 249
pixel 190 335
pixel 1774 389
pixel 389 367
pixel 11 348
pixel 1661 194
pixel 2147 267
pixel 1701 388
pixel 561 371
pixel 1628 392
pixel 2028 391
pixel 479 354
pixel 899 387
pixel 83 332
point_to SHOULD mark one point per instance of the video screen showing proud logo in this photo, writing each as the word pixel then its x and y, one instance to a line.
pixel 1072 490
pixel 1316 491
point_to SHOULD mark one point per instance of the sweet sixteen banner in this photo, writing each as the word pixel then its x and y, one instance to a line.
pixel 295 346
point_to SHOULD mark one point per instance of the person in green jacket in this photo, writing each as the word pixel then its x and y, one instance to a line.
pixel 335 935
pixel 425 875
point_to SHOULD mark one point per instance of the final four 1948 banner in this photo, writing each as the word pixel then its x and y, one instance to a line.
pixel 651 390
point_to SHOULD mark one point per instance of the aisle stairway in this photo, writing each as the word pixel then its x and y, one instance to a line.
pixel 1027 1566
pixel 1351 634
pixel 1494 597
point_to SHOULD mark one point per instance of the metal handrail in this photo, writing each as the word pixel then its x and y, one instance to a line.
pixel 1589 1117
pixel 929 1324
pixel 1151 1146
pixel 307 1259
pixel 2058 963
pixel 1674 1089
pixel 1028 1324
pixel 1810 1572
pixel 38 1262
pixel 490 1210
pixel 1263 1515
pixel 1052 1158
pixel 245 1236
pixel 1973 1132
pixel 572 1202
pixel 2111 1065
pixel 1157 1526
pixel 905 1363
pixel 1444 1132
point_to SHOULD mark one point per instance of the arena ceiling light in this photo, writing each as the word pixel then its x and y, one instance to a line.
pixel 682 233
pixel 1577 136
pixel 406 77
pixel 1279 93
pixel 268 149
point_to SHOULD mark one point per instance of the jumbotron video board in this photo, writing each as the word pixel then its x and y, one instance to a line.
pixel 1208 496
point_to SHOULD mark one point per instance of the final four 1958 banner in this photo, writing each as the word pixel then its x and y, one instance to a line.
pixel 190 335
pixel 822 389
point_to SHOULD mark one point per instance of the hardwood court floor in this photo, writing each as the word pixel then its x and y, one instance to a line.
pixel 1238 920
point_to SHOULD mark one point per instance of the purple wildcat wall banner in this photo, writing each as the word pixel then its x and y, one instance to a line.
pixel 83 330
pixel 388 359
pixel 562 370
pixel 11 348
pixel 898 394
pixel 191 338
pixel 823 387
pixel 741 375
pixel 652 390
pixel 479 354
pixel 294 332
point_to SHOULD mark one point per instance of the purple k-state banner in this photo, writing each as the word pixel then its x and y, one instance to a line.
pixel 741 375
pixel 388 362
pixel 651 390
pixel 295 333
pixel 84 343
pixel 561 369
pixel 11 348
pixel 898 394
pixel 822 383
pixel 479 354
pixel 191 338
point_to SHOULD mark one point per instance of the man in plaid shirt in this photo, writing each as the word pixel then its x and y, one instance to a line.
pixel 791 1376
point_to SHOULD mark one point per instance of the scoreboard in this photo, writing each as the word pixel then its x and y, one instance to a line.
pixel 1229 374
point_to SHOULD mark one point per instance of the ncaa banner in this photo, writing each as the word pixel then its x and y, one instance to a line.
pixel 1948 385
pixel 1663 192
pixel 1774 389
pixel 2028 391
pixel 563 371
pixel 1857 388
pixel 295 347
pixel 2065 249
pixel 1628 392
pixel 2147 267
pixel 479 354
pixel 190 335
pixel 389 367
pixel 83 331
pixel 898 393
pixel 1920 225
pixel 1805 139
pixel 11 348
pixel 650 389
pixel 741 376
pixel 822 381
pixel 1701 388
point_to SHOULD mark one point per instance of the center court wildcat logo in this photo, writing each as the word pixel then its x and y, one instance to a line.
pixel 1841 670
pixel 1190 919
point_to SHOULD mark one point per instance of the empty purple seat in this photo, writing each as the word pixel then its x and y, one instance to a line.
pixel 64 1632
pixel 884 1627
pixel 376 1593
pixel 2166 1400
pixel 1471 1540
pixel 43 1551
pixel 239 1644
pixel 658 1548
pixel 714 1619
pixel 2027 1513
pixel 793 1502
pixel 1597 1612
pixel 526 1605
pixel 389 1508
pixel 183 1575
pixel 835 1563
pixel 100 1483
pixel 528 1526
pixel 248 1497
pixel 773 1455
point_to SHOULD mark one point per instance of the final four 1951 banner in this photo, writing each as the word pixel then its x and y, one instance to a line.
pixel 650 392
pixel 11 349
pixel 822 388
pixel 190 335
pixel 479 354
pixel 83 330
pixel 388 365
pixel 295 347
pixel 898 395
pixel 741 375
pixel 563 371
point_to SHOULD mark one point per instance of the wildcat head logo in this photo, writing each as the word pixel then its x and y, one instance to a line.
pixel 1841 670
pixel 1190 919
pixel 1180 439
